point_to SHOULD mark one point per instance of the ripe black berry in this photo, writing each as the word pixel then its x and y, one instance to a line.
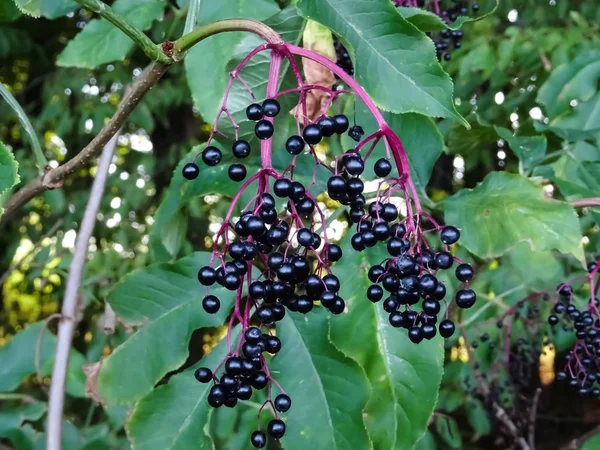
pixel 276 428
pixel 203 375
pixel 237 172
pixel 334 252
pixel 264 129
pixel 207 276
pixel 327 126
pixel 254 112
pixel 396 319
pixel 312 134
pixel 211 156
pixel 464 272
pixel 294 145
pixel 465 298
pixel 375 293
pixel 450 235
pixel 415 334
pixel 190 171
pixel 259 380
pixel 241 149
pixel 382 168
pixel 211 304
pixel 270 107
pixel 341 123
pixel 446 328
pixel 444 260
pixel 282 403
pixel 282 187
pixel 258 439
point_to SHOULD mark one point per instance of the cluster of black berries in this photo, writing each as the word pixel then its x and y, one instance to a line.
pixel 407 277
pixel 242 375
pixel 447 40
pixel 343 57
pixel 291 280
pixel 583 361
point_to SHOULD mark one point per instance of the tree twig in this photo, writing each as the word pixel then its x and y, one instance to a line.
pixel 21 261
pixel 577 443
pixel 54 178
pixel 498 411
pixel 533 417
pixel 66 324
pixel 586 202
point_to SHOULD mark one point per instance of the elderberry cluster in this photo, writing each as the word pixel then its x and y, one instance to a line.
pixel 243 374
pixel 582 369
pixel 293 260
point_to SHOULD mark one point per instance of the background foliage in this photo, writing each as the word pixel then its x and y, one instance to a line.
pixel 525 79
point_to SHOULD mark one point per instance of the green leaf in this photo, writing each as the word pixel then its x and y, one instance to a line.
pixel 506 209
pixel 9 12
pixel 50 9
pixel 529 149
pixel 448 430
pixel 100 42
pixel 568 134
pixel 14 424
pixel 592 443
pixel 478 417
pixel 18 357
pixel 328 389
pixel 166 301
pixel 575 80
pixel 393 61
pixel 26 124
pixel 538 270
pixel 175 416
pixel 8 173
pixel 405 378
pixel 428 21
pixel 207 61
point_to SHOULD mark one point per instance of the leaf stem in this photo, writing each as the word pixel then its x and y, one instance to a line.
pixel 144 42
pixel 184 43
pixel 586 202
pixel 42 162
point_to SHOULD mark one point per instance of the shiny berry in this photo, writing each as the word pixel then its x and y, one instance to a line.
pixel 211 156
pixel 190 171
pixel 450 235
pixel 264 129
pixel 341 123
pixel 270 107
pixel 211 304
pixel 241 149
pixel 237 172
pixel 312 134
pixel 254 112
pixel 282 403
pixel 464 272
pixel 465 298
pixel 258 439
pixel 327 126
pixel 294 145
pixel 203 375
pixel 382 168
pixel 276 428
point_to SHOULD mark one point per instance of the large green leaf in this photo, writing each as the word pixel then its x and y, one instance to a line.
pixel 14 424
pixel 506 209
pixel 575 80
pixel 529 149
pixel 538 270
pixel 166 301
pixel 9 12
pixel 18 360
pixel 51 9
pixel 405 378
pixel 8 173
pixel 328 389
pixel 207 61
pixel 175 416
pixel 393 60
pixel 428 21
pixel 100 42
